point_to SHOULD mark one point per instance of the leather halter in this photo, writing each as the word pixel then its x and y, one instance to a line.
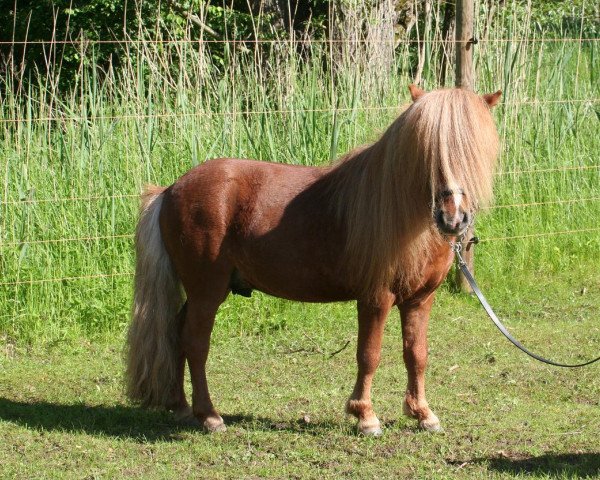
pixel 456 248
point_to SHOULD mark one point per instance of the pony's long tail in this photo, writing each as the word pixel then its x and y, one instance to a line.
pixel 153 335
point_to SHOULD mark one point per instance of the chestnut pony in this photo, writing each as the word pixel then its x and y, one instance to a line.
pixel 371 228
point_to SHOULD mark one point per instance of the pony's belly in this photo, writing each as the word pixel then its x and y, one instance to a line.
pixel 295 284
pixel 302 295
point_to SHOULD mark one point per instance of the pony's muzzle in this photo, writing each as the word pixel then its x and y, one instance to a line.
pixel 450 214
pixel 452 224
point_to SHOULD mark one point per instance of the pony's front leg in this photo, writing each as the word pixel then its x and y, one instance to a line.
pixel 415 318
pixel 371 323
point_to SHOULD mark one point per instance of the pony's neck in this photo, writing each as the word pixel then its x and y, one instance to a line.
pixel 385 222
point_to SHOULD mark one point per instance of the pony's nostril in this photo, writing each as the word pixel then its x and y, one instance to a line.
pixel 466 218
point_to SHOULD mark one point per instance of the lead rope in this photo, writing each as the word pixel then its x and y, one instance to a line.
pixel 457 248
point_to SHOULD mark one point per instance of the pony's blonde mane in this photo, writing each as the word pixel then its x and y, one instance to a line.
pixel 383 194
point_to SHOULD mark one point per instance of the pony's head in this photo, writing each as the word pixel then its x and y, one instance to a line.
pixel 460 147
pixel 432 167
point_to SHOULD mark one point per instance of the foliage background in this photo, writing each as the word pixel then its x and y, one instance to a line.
pixel 44 20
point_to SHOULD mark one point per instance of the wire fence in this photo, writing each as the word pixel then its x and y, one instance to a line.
pixel 166 115
pixel 294 41
pixel 131 274
pixel 134 196
pixel 131 236
pixel 65 279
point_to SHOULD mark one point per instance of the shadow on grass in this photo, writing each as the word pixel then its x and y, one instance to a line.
pixel 133 423
pixel 576 465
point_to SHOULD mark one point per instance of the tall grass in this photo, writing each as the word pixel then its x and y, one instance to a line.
pixel 72 162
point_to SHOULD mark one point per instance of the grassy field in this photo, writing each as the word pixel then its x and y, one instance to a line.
pixel 63 413
pixel 72 164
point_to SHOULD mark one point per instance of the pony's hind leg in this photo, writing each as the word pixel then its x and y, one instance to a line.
pixel 415 318
pixel 195 341
pixel 371 323
pixel 178 403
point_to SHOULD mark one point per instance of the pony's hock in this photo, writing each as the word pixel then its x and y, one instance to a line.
pixel 365 229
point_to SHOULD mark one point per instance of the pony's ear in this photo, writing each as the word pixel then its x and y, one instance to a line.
pixel 415 92
pixel 492 99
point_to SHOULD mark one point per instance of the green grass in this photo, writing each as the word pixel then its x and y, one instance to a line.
pixel 63 412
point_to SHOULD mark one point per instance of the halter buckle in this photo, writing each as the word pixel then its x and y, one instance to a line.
pixel 456 246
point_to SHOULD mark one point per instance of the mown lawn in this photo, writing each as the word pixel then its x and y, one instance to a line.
pixel 63 413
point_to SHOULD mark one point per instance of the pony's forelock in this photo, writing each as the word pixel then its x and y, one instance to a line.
pixel 457 140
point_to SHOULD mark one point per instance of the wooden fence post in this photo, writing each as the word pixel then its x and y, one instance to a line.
pixel 464 79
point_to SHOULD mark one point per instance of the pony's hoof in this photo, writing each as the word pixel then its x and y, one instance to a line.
pixel 371 432
pixel 370 428
pixel 183 414
pixel 431 425
pixel 192 422
pixel 214 425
